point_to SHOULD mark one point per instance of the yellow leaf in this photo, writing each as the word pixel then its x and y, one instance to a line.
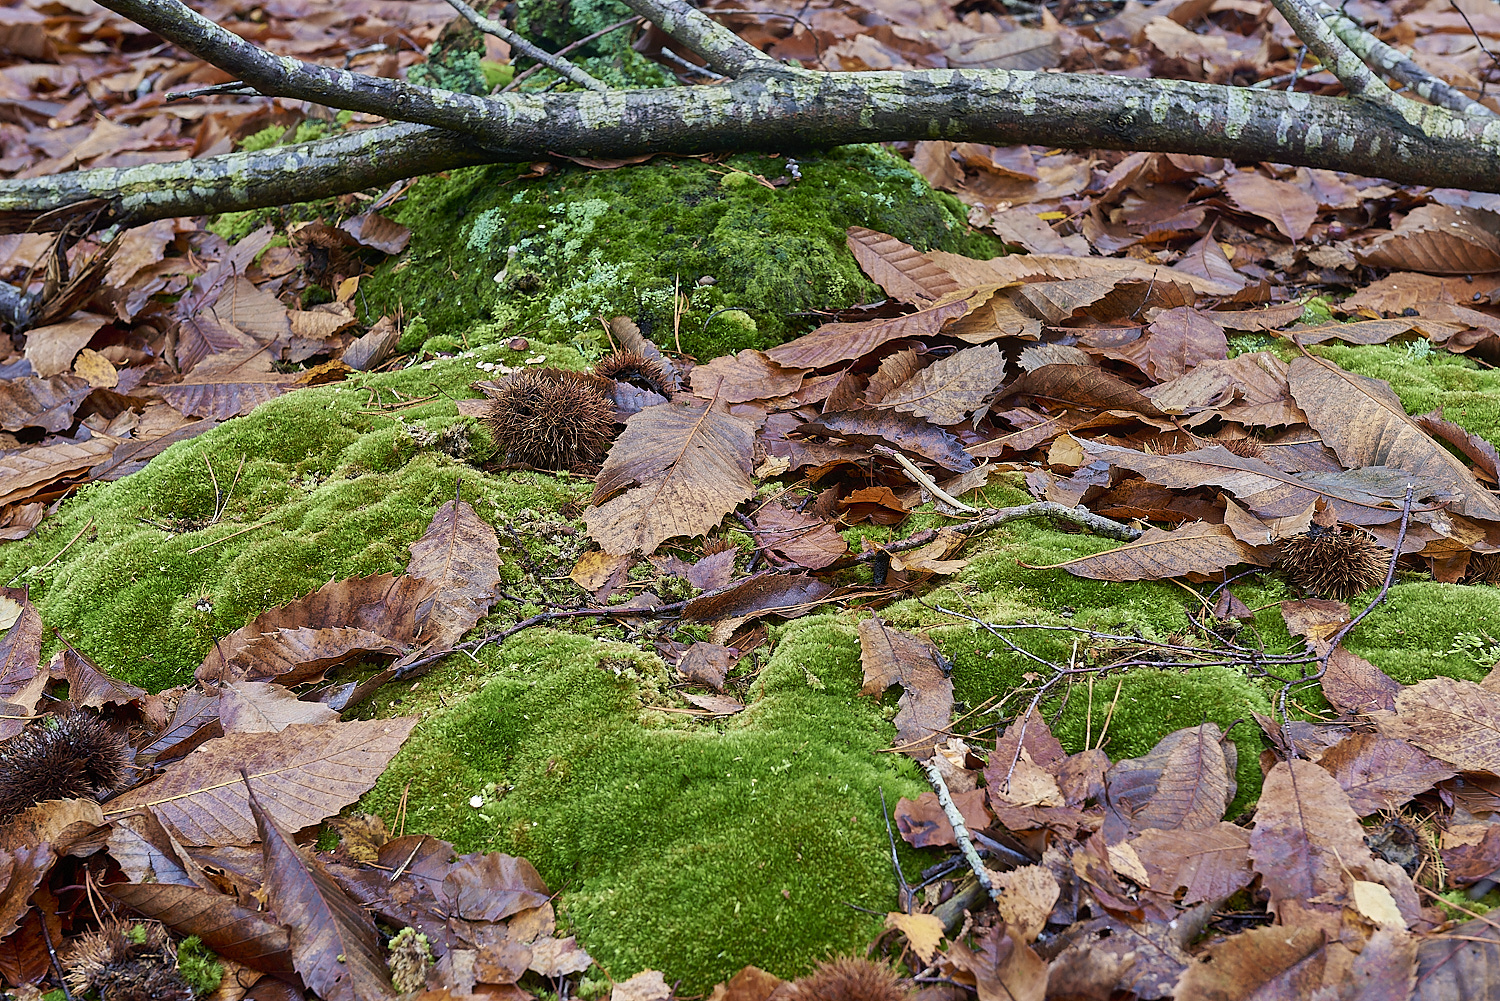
pixel 923 932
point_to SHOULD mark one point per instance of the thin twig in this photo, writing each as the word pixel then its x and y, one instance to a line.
pixel 570 47
pixel 905 897
pixel 926 482
pixel 58 555
pixel 960 829
pixel 559 64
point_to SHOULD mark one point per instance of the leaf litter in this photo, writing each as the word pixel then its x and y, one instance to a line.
pixel 1120 382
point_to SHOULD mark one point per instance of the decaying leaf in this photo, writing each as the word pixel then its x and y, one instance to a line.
pixel 309 773
pixel 893 657
pixel 460 555
pixel 676 470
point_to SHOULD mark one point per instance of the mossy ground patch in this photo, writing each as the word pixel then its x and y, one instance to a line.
pixel 670 839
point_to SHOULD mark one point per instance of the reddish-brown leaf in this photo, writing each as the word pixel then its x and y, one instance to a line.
pixel 459 554
pixel 230 929
pixel 894 657
pixel 314 770
pixel 1379 773
pixel 899 268
pixel 749 375
pixel 335 948
pixel 1454 721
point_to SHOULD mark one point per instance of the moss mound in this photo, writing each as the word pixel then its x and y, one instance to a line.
pixel 547 256
pixel 690 846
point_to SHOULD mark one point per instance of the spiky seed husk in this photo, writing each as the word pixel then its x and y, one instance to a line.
pixel 551 419
pixel 850 978
pixel 635 368
pixel 1249 448
pixel 61 758
pixel 1333 563
pixel 1484 568
pixel 127 967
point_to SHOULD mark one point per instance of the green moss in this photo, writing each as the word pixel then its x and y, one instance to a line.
pixel 553 24
pixel 547 257
pixel 331 487
pixel 199 966
pixel 682 846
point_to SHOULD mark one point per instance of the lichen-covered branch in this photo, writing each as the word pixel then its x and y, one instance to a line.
pixel 1331 51
pixel 235 181
pixel 1390 61
pixel 768 107
pixel 725 52
pixel 560 63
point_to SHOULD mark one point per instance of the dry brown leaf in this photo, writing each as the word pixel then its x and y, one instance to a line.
pixel 1084 385
pixel 459 555
pixel 384 605
pixel 1211 863
pixel 42 403
pixel 261 707
pixel 1184 783
pixel 1287 207
pixel 1363 421
pixel 1379 773
pixel 558 957
pixel 1255 965
pixel 1454 721
pixel 51 349
pixel 836 342
pixel 676 470
pixel 314 771
pixel 299 655
pixel 233 931
pixel 910 434
pixel 899 268
pixel 924 932
pixel 805 539
pixel 90 687
pixel 648 985
pixel 1370 496
pixel 1438 240
pixel 371 229
pixel 950 389
pixel 227 384
pixel 1307 841
pixel 787 595
pixel 749 375
pixel 706 663
pixel 1029 894
pixel 1195 548
pixel 1017 267
pixel 894 657
pixel 335 947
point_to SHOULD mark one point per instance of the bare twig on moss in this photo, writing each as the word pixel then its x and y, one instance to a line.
pixel 924 481
pixel 960 830
pixel 417 667
pixel 995 517
pixel 556 63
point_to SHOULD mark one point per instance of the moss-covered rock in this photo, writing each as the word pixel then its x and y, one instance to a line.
pixel 549 256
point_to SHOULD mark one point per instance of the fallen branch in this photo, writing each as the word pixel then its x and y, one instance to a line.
pixel 960 830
